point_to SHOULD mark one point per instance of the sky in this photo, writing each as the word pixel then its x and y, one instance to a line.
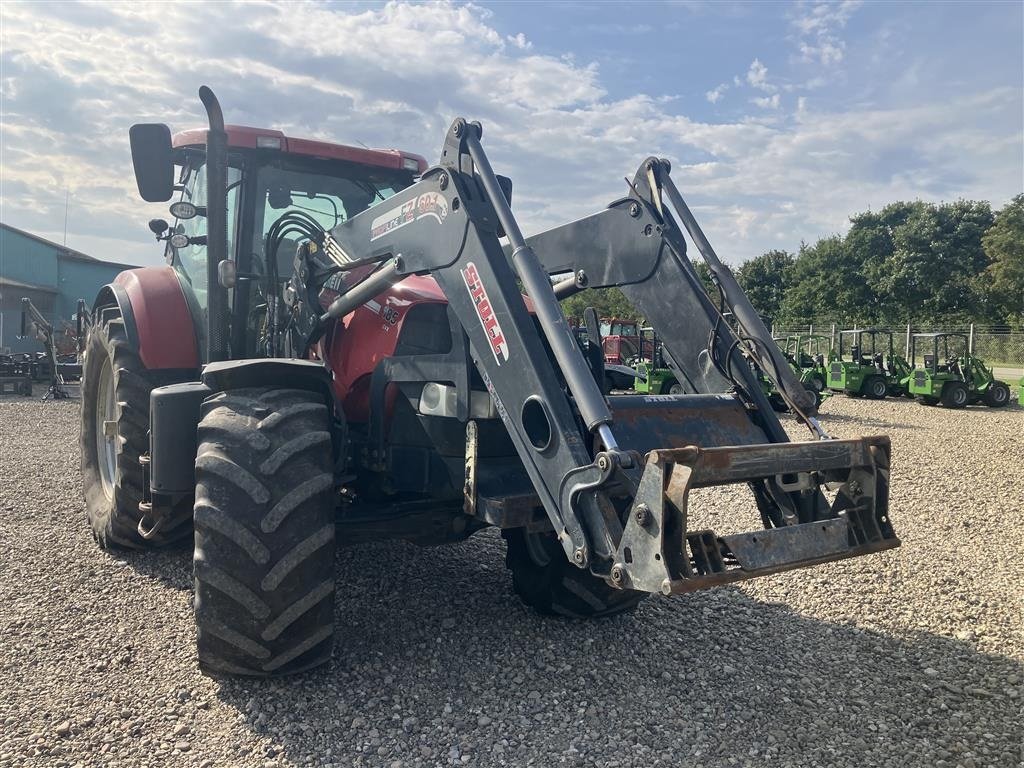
pixel 781 119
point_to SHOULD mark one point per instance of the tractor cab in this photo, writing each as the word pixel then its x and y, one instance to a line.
pixel 271 180
pixel 950 373
pixel 865 364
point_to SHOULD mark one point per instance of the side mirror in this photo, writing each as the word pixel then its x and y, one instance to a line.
pixel 151 156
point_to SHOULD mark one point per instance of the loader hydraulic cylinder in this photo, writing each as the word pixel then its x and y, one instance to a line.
pixel 589 400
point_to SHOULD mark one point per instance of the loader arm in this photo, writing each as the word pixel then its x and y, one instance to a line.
pixel 35 324
pixel 636 245
pixel 619 511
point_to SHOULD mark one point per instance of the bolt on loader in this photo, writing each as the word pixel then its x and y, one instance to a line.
pixel 956 377
pixel 347 344
pixel 869 367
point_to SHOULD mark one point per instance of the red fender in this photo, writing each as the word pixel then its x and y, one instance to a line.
pixel 157 317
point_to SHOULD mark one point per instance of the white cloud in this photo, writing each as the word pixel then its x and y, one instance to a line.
pixel 818 25
pixel 520 41
pixel 757 76
pixel 715 94
pixel 396 75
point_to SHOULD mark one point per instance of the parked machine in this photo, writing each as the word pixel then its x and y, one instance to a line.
pixel 950 374
pixel 623 341
pixel 654 376
pixel 35 325
pixel 344 352
pixel 865 364
pixel 807 354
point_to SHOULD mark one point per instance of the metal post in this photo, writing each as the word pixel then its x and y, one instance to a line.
pixel 589 398
pixel 970 341
pixel 906 347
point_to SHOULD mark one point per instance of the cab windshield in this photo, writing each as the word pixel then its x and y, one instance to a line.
pixel 328 199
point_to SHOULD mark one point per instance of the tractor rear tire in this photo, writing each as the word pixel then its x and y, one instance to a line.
pixel 264 523
pixel 955 395
pixel 997 395
pixel 114 434
pixel 545 580
pixel 875 388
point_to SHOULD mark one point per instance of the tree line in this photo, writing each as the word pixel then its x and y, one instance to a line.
pixel 917 262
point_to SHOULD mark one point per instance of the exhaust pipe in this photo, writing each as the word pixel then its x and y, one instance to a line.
pixel 217 226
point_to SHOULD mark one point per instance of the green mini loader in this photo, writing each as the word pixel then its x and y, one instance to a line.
pixel 807 353
pixel 654 377
pixel 868 366
pixel 956 378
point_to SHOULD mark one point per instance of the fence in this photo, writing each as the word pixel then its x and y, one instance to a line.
pixel 999 346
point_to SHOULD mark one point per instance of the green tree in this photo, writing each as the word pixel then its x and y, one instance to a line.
pixel 827 279
pixel 1004 276
pixel 764 279
pixel 871 243
pixel 937 256
pixel 704 274
pixel 609 302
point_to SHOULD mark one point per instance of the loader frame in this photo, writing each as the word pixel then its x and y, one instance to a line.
pixel 618 509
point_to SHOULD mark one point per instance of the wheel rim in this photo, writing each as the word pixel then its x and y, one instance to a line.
pixel 1000 395
pixel 675 389
pixel 960 396
pixel 879 388
pixel 106 438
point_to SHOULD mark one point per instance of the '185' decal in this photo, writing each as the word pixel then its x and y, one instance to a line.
pixel 485 312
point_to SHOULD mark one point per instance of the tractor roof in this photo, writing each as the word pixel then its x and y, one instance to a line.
pixel 246 137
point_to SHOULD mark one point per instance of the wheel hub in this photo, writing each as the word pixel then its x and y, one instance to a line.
pixel 106 429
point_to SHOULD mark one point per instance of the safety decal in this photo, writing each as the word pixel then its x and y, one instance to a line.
pixel 428 205
pixel 484 310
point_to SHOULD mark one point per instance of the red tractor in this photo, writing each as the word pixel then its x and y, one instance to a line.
pixel 339 350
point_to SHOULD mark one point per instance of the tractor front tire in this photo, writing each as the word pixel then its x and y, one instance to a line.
pixel 997 395
pixel 114 434
pixel 264 533
pixel 875 388
pixel 955 395
pixel 545 580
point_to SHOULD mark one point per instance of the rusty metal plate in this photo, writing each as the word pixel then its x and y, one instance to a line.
pixel 792 544
pixel 731 465
pixel 646 423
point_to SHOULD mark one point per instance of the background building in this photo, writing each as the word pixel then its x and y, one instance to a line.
pixel 53 276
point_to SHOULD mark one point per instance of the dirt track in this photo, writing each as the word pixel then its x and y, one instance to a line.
pixel 910 658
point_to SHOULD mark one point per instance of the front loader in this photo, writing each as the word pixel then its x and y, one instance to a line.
pixel 950 373
pixel 410 377
pixel 865 364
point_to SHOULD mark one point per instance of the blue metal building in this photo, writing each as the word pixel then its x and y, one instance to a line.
pixel 53 276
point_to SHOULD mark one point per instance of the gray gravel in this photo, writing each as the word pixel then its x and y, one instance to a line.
pixel 910 658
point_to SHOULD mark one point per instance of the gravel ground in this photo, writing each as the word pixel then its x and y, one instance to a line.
pixel 909 658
